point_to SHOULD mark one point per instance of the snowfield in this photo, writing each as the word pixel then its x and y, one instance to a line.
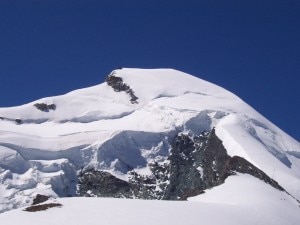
pixel 41 151
pixel 229 204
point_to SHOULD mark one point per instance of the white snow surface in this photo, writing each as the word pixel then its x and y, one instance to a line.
pixel 42 153
pixel 243 199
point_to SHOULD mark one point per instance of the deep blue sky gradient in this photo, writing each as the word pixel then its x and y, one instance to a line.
pixel 50 47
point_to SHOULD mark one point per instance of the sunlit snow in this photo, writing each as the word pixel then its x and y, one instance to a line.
pixel 44 152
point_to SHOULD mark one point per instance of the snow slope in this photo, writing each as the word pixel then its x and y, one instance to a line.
pixel 90 127
pixel 238 206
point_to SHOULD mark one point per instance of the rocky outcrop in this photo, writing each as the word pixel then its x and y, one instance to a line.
pixel 41 207
pixel 241 165
pixel 195 163
pixel 17 121
pixel 45 107
pixel 40 199
pixel 118 85
pixel 101 183
pixel 202 162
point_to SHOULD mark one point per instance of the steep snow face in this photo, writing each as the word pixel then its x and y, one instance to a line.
pixel 43 146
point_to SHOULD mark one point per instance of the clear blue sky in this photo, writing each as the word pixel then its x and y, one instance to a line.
pixel 50 47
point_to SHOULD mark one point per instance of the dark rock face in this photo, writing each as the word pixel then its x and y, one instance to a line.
pixel 44 107
pixel 40 199
pixel 118 85
pixel 101 183
pixel 185 178
pixel 194 164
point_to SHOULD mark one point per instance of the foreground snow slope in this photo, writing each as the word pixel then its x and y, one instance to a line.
pixel 91 127
pixel 232 203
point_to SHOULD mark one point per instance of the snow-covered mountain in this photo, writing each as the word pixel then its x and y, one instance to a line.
pixel 145 133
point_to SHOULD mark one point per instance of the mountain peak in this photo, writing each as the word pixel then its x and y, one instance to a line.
pixel 126 131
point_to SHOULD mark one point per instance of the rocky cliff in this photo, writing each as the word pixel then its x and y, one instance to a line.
pixel 195 163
